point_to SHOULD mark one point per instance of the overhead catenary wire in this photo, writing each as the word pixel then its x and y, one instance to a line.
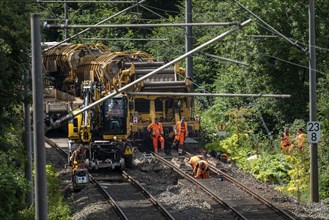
pixel 209 94
pixel 124 39
pixel 146 8
pixel 60 26
pixel 289 62
pixel 271 28
pixel 229 60
pixel 164 10
pixel 87 29
pixel 260 22
pixel 226 59
pixel 85 1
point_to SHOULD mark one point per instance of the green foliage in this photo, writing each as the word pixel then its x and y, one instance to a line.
pixel 324 182
pixel 14 47
pixel 268 168
pixel 299 176
pixel 27 214
pixel 58 207
pixel 13 188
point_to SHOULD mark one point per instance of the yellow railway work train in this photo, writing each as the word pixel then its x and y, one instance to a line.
pixel 108 131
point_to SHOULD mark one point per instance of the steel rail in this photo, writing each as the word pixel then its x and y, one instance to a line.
pixel 65 26
pixel 55 146
pixel 247 190
pixel 148 195
pixel 252 193
pixel 116 207
pixel 201 186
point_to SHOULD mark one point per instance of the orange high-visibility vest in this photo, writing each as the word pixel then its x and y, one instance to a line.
pixel 201 173
pixel 156 129
pixel 193 161
pixel 181 129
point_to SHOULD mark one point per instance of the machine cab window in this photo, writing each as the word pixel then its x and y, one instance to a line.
pixel 115 116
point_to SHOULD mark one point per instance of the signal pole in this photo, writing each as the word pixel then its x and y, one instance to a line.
pixel 314 193
pixel 188 40
pixel 41 202
pixel 66 19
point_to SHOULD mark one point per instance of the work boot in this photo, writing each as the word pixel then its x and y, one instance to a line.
pixel 180 151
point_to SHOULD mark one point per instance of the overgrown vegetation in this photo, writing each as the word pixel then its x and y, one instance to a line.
pixel 14 62
pixel 58 207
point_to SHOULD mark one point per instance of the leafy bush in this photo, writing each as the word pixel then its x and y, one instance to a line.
pixel 13 188
pixel 58 207
pixel 324 183
pixel 269 168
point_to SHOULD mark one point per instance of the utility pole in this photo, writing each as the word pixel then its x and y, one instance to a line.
pixel 66 19
pixel 41 203
pixel 188 40
pixel 312 93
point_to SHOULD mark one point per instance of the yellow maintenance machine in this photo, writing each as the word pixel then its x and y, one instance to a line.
pixel 109 130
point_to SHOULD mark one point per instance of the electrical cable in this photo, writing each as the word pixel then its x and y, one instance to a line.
pixel 292 39
pixel 289 62
pixel 272 28
pixel 159 9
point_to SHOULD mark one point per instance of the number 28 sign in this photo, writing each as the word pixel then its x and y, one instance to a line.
pixel 313 132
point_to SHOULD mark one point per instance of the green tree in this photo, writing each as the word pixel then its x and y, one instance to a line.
pixel 14 62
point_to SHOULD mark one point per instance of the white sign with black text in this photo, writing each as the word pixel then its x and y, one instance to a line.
pixel 313 132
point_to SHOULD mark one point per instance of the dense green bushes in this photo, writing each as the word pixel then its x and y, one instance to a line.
pixel 13 188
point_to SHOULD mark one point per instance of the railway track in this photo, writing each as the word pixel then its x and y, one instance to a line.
pixel 130 199
pixel 261 207
pixel 127 196
pixel 243 201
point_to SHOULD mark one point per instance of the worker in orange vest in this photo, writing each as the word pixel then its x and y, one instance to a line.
pixel 77 159
pixel 181 132
pixel 285 141
pixel 300 139
pixel 201 170
pixel 194 160
pixel 156 130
